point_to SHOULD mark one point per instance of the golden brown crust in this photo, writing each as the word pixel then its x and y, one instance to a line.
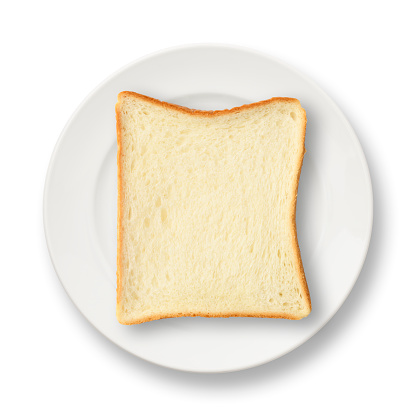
pixel 201 113
pixel 119 206
pixel 156 317
pixel 295 244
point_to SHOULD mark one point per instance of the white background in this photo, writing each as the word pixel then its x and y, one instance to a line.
pixel 362 53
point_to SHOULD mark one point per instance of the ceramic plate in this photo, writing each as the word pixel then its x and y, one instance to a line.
pixel 334 211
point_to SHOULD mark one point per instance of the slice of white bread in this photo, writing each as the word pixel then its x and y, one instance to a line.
pixel 207 210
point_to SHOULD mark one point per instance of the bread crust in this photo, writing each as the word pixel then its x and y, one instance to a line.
pixel 156 317
pixel 295 243
pixel 120 208
pixel 204 113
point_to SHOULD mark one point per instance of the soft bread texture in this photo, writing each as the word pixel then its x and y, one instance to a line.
pixel 207 210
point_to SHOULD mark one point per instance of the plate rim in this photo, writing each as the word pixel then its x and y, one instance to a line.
pixel 261 54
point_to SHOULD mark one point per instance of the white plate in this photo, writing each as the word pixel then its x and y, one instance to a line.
pixel 334 213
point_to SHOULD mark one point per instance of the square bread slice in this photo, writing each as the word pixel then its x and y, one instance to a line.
pixel 207 210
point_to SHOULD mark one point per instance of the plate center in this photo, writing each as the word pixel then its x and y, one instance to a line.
pixel 311 207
